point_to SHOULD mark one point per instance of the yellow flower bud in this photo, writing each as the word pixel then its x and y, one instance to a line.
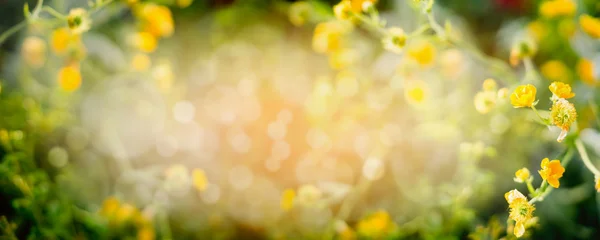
pixel 423 53
pixel 489 85
pixel 522 175
pixel 555 70
pixel 69 78
pixel 523 96
pixel 156 19
pixel 590 25
pixel 61 39
pixel 33 51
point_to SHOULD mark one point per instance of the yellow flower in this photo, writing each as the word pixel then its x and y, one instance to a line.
pixel 523 96
pixel 563 114
pixel 184 3
pixel 287 199
pixel 359 5
pixel 342 10
pixel 561 90
pixel 69 78
pixel 327 37
pixel 144 41
pixel 146 233
pixel 376 226
pixel 555 70
pixel 109 206
pixel 590 25
pixel 141 62
pixel 585 69
pixel 557 8
pixel 157 20
pixel 78 21
pixel 597 179
pixel 521 175
pixel 299 12
pixel 521 211
pixel 489 85
pixel 415 92
pixel 485 101
pixel 125 213
pixel 61 39
pixel 423 53
pixel 551 171
pixel 33 51
pixel 395 40
pixel 199 179
pixel 343 58
pixel 537 29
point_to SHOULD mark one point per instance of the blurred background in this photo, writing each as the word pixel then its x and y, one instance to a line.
pixel 236 127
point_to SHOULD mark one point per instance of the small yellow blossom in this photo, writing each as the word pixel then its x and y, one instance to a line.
pixel 144 41
pixel 359 5
pixel 327 37
pixel 79 21
pixel 557 8
pixel 287 199
pixel 563 114
pixel 343 10
pixel 551 171
pixel 489 85
pixel 199 179
pixel 522 175
pixel 157 20
pixel 33 51
pixel 555 70
pixel 146 233
pixel 485 101
pixel 597 185
pixel 125 213
pixel 343 58
pixel 109 206
pixel 395 40
pixel 523 96
pixel 61 39
pixel 537 29
pixel 141 62
pixel 69 78
pixel 184 3
pixel 376 226
pixel 561 90
pixel 299 12
pixel 590 25
pixel 423 53
pixel 416 92
pixel 521 211
pixel 585 69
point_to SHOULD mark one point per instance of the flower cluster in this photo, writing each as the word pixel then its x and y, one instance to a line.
pixel 122 215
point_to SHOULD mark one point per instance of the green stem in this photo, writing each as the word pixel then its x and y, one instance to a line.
pixel 544 120
pixel 530 187
pixel 585 158
pixel 53 12
pixel 12 30
pixel 375 26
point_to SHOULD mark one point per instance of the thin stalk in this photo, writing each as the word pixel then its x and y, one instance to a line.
pixel 53 12
pixel 585 158
pixel 5 35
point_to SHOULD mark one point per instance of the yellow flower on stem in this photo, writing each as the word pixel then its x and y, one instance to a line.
pixel 557 8
pixel 561 90
pixel 551 171
pixel 521 175
pixel 423 53
pixel 521 211
pixel 563 114
pixel 343 10
pixel 523 96
pixel 69 78
pixel 585 69
pixel 144 41
pixel 61 39
pixel 590 25
pixel 157 20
